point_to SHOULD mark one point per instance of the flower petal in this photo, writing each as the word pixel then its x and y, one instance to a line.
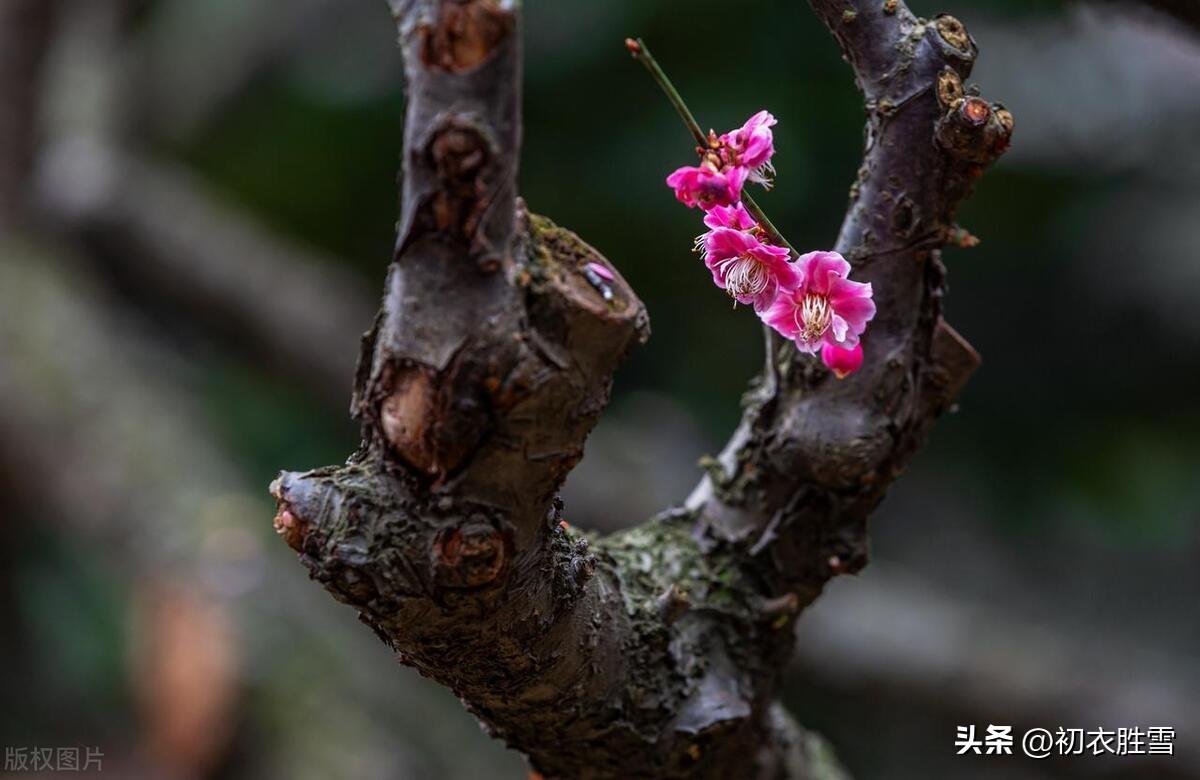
pixel 734 216
pixel 820 266
pixel 781 315
pixel 842 362
pixel 857 312
pixel 838 328
pixel 724 243
pixel 601 271
pixel 736 178
pixel 684 182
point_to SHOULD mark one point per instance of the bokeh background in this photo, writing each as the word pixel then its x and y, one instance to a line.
pixel 198 199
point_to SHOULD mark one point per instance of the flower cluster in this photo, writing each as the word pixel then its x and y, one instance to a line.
pixel 810 300
pixel 729 161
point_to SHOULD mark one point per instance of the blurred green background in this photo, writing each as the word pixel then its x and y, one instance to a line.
pixel 207 210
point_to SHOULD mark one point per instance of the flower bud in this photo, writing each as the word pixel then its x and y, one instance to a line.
pixel 843 362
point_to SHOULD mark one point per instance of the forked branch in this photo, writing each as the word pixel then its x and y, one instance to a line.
pixel 654 653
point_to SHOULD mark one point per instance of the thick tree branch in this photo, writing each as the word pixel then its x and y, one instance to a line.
pixel 654 653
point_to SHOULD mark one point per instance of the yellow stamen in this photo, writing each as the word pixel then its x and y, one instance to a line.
pixel 813 317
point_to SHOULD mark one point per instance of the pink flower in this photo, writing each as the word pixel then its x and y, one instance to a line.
pixel 706 186
pixel 843 362
pixel 752 146
pixel 729 161
pixel 734 216
pixel 823 307
pixel 600 271
pixel 751 272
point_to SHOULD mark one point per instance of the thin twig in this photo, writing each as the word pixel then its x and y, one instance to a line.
pixel 766 224
pixel 641 53
pixel 637 47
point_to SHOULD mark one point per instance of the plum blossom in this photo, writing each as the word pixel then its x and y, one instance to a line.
pixel 752 272
pixel 810 301
pixel 734 216
pixel 823 307
pixel 843 362
pixel 751 146
pixel 706 185
pixel 726 164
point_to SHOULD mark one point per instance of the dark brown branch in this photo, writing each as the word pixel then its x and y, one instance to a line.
pixel 654 653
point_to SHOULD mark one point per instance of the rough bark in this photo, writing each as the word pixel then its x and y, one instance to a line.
pixel 655 652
